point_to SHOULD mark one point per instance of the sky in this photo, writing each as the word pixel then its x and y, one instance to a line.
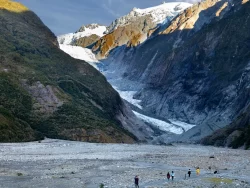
pixel 67 16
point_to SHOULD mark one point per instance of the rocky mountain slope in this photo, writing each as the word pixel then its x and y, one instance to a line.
pixel 194 69
pixel 45 92
pixel 134 28
pixel 236 135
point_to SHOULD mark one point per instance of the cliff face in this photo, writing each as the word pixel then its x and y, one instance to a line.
pixel 45 92
pixel 195 68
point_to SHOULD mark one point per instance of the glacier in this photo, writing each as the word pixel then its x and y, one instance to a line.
pixel 128 91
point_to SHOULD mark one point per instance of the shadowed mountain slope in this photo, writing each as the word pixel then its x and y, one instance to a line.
pixel 236 135
pixel 194 69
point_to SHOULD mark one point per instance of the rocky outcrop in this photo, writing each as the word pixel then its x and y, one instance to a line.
pixel 45 97
pixel 194 69
pixel 86 41
pixel 130 35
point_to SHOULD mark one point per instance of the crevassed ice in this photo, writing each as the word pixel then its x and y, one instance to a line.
pixel 162 125
pixel 185 126
pixel 128 96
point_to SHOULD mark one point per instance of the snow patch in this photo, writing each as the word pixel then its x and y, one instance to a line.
pixel 80 53
pixel 162 125
pixel 159 12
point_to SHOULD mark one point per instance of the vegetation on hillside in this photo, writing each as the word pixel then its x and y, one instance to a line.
pixel 30 64
pixel 12 6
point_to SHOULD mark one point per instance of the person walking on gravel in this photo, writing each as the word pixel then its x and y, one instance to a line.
pixel 197 171
pixel 189 173
pixel 136 182
pixel 168 175
pixel 172 175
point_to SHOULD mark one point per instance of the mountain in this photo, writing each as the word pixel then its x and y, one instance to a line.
pixel 193 69
pixel 45 92
pixel 135 27
pixel 90 30
pixel 74 43
pixel 157 14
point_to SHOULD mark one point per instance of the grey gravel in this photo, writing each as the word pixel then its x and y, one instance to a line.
pixel 65 164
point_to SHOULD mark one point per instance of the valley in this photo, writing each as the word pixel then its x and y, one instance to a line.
pixel 142 96
pixel 184 68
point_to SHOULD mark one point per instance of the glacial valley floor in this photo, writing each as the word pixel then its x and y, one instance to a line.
pixel 67 164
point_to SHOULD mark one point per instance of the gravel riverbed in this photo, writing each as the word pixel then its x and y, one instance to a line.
pixel 65 164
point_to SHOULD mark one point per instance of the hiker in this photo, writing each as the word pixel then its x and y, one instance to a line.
pixel 197 171
pixel 189 173
pixel 168 175
pixel 172 175
pixel 136 181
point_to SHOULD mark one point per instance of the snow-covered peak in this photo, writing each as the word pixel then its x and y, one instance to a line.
pixel 158 14
pixel 89 26
pixel 84 31
pixel 171 7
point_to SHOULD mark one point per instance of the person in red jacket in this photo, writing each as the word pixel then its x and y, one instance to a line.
pixel 168 175
pixel 136 182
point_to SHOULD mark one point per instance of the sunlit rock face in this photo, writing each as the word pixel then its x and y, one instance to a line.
pixel 135 27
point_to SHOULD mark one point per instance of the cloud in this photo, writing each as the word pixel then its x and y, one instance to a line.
pixel 109 8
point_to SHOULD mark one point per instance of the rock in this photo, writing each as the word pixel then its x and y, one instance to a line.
pixel 46 97
pixel 232 137
pixel 86 41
